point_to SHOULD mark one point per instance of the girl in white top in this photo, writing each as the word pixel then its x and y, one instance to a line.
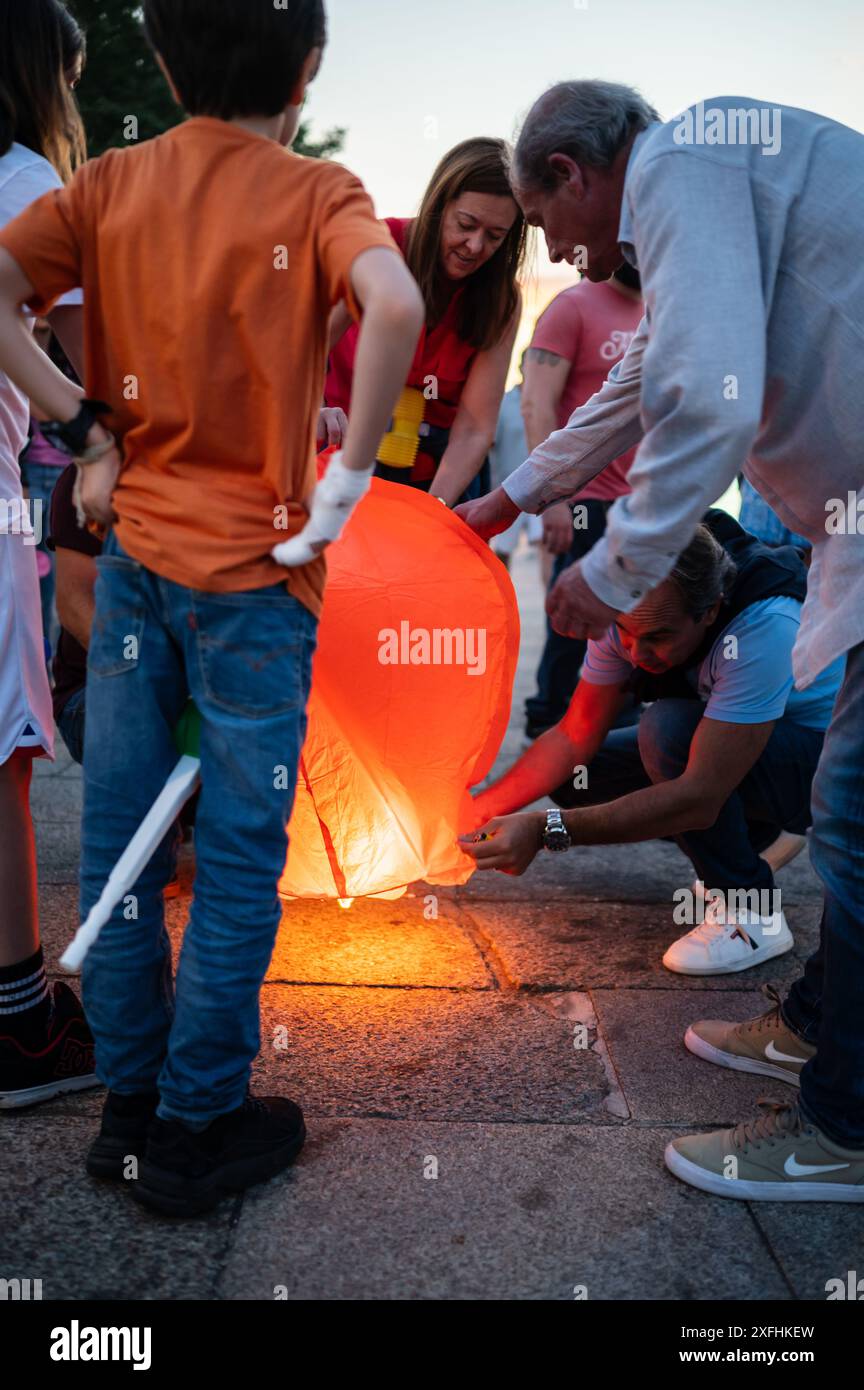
pixel 44 1039
pixel 25 697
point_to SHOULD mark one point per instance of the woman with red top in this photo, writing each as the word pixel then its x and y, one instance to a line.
pixel 465 249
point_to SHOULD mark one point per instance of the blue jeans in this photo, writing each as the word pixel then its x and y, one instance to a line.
pixel 826 1006
pixel 41 480
pixel 246 660
pixel 762 521
pixel 774 796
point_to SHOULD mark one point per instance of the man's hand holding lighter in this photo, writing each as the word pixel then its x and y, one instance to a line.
pixel 507 843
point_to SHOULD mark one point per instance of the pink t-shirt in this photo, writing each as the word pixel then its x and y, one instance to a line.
pixel 42 451
pixel 591 326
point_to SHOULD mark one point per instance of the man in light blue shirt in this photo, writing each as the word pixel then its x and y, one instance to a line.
pixel 743 219
pixel 723 758
pixel 746 678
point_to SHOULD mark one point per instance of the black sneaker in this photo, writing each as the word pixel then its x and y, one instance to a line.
pixel 185 1173
pixel 125 1124
pixel 61 1060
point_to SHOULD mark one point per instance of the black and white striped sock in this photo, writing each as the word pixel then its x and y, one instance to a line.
pixel 23 990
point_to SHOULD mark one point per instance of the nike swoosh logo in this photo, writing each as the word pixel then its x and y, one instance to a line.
pixel 804 1170
pixel 776 1056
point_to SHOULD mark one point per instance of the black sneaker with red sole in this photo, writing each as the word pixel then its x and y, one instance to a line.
pixel 53 1065
pixel 186 1173
pixel 126 1122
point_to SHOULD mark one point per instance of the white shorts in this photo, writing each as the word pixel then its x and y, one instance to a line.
pixel 26 719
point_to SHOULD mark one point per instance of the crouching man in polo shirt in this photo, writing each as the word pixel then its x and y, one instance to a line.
pixel 722 758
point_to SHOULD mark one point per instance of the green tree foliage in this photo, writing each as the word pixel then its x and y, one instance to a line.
pixel 121 80
pixel 330 143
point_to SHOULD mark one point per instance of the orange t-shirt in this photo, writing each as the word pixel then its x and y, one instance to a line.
pixel 210 259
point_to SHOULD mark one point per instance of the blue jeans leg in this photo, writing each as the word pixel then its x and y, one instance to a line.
pixel 136 690
pixel 41 480
pixel 246 660
pixel 827 1004
pixel 249 660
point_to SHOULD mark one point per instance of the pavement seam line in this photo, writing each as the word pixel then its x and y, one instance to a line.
pixel 364 984
pixel 488 951
pixel 601 1047
pixel 774 1257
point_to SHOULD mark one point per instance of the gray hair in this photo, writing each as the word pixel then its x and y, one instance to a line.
pixel 589 121
pixel 704 573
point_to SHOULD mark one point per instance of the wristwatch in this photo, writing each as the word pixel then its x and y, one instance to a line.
pixel 556 835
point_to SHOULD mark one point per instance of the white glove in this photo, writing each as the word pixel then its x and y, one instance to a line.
pixel 334 500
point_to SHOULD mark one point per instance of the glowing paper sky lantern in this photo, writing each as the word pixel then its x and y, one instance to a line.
pixel 410 701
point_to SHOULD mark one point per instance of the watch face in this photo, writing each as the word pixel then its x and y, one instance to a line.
pixel 556 837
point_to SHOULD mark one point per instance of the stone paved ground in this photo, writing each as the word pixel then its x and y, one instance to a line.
pixel 416 1044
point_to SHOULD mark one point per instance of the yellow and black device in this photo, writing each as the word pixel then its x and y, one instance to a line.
pixel 401 444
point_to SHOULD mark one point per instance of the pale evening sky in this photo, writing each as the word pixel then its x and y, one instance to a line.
pixel 411 78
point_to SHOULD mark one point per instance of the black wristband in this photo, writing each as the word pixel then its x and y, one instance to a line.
pixel 71 437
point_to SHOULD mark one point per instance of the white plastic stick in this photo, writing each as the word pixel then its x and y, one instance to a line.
pixel 150 834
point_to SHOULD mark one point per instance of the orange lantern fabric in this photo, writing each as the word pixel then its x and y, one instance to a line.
pixel 411 693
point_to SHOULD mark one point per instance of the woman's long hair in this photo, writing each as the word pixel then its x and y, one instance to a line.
pixel 40 44
pixel 491 294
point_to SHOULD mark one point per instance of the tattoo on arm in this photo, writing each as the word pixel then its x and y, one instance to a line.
pixel 542 357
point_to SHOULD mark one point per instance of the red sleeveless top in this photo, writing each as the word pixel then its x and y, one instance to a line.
pixel 441 355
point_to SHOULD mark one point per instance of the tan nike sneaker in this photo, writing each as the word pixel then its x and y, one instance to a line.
pixel 778 1157
pixel 762 1045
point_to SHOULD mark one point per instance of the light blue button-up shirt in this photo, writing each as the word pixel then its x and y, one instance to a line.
pixel 750 358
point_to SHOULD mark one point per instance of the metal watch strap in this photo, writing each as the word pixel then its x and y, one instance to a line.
pixel 556 835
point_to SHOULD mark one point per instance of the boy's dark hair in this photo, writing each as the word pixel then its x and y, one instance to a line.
pixel 235 57
pixel 704 573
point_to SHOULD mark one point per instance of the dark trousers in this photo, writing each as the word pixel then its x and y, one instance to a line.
pixel 478 487
pixel 562 658
pixel 71 724
pixel 774 796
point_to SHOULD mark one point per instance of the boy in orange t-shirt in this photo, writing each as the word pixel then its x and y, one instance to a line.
pixel 210 259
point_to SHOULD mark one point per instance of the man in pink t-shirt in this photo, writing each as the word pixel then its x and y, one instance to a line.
pixel 584 332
